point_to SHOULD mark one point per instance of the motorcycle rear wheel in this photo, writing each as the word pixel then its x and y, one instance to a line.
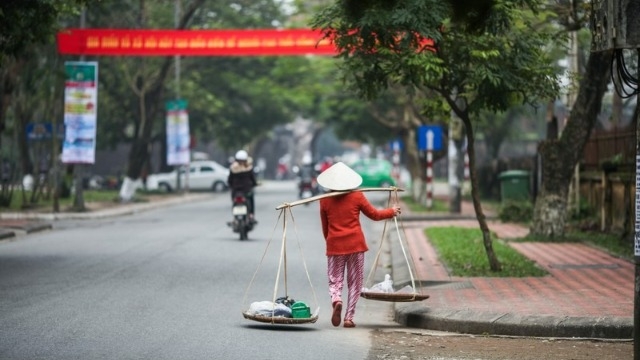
pixel 244 233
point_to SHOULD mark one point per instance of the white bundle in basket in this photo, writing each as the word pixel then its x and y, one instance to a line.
pixel 385 286
pixel 269 308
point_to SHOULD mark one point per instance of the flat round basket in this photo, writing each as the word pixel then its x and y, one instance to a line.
pixel 280 319
pixel 393 297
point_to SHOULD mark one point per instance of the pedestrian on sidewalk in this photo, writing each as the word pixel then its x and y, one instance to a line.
pixel 345 241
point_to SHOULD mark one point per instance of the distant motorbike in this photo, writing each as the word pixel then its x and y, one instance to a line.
pixel 242 223
pixel 308 188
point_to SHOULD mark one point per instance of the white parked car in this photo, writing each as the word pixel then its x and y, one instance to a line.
pixel 203 175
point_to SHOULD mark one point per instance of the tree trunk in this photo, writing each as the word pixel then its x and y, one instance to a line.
pixel 494 263
pixel 9 78
pixel 22 115
pixel 162 141
pixel 149 112
pixel 559 157
pixel 6 89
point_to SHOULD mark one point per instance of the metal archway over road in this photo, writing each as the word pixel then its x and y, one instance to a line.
pixel 241 42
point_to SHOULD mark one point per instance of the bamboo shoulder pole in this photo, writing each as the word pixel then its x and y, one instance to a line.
pixel 333 193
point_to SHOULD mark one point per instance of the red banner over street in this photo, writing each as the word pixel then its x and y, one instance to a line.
pixel 250 42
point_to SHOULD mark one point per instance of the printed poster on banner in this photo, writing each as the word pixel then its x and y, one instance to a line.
pixel 178 140
pixel 80 112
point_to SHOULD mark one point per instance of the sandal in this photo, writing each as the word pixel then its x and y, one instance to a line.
pixel 337 309
pixel 349 324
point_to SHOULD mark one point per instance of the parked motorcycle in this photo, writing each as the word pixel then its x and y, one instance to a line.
pixel 241 209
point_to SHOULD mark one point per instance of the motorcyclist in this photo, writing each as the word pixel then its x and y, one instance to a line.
pixel 306 177
pixel 243 179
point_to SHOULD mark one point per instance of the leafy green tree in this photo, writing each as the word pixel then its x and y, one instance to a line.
pixel 393 115
pixel 497 127
pixel 27 30
pixel 489 66
pixel 145 77
pixel 24 24
pixel 30 22
pixel 225 94
pixel 35 100
pixel 232 101
pixel 244 98
pixel 561 155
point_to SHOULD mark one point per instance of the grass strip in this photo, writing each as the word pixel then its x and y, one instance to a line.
pixel 463 253
pixel 415 207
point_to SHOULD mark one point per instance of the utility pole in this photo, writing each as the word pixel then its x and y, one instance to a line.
pixel 54 158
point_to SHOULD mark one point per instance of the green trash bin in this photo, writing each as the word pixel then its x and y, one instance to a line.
pixel 514 185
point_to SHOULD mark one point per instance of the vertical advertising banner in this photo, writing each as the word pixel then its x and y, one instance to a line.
pixel 80 112
pixel 178 140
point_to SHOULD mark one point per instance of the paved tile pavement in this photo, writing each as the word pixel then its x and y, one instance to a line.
pixel 587 293
pixel 11 227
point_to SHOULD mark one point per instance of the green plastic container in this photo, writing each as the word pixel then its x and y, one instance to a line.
pixel 514 185
pixel 300 310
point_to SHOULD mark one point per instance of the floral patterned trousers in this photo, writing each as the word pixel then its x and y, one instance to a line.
pixel 354 265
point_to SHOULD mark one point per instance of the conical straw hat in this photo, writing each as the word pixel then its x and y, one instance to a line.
pixel 339 177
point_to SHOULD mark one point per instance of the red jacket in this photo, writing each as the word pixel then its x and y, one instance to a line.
pixel 340 217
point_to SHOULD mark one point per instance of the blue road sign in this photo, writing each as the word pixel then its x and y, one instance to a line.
pixel 43 131
pixel 437 136
pixel 396 144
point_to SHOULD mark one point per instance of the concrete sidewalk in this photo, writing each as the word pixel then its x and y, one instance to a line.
pixel 587 294
pixel 13 224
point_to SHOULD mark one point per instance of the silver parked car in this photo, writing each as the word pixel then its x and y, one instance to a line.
pixel 203 175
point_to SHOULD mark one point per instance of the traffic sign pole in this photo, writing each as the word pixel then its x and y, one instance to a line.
pixel 429 171
pixel 396 162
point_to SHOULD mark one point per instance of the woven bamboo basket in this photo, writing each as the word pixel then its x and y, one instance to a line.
pixel 280 319
pixel 393 297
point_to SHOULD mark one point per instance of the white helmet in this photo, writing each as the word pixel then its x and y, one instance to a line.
pixel 242 155
pixel 306 159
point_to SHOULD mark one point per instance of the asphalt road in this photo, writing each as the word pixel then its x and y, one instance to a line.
pixel 172 283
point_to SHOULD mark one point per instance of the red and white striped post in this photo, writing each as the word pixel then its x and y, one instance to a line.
pixel 466 169
pixel 429 171
pixel 396 162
